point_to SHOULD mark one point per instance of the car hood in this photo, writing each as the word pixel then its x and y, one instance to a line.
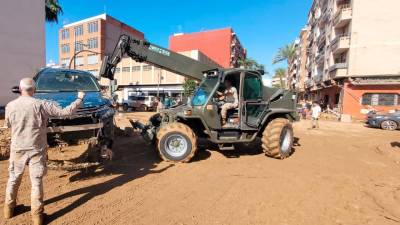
pixel 63 99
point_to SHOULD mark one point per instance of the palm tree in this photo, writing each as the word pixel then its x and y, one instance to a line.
pixel 250 64
pixel 52 9
pixel 281 73
pixel 288 53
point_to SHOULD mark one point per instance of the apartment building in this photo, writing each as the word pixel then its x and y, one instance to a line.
pixel 221 45
pixel 92 38
pixel 297 67
pixel 20 41
pixel 353 55
pixel 89 40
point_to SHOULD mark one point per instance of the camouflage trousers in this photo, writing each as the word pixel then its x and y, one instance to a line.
pixel 36 159
pixel 225 107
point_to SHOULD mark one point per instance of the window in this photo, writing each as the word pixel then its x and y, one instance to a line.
pixel 135 68
pixel 65 34
pixel 380 99
pixel 126 69
pixel 93 27
pixel 252 87
pixel 65 48
pixel 79 61
pixel 64 62
pixel 78 46
pixel 146 68
pixel 92 43
pixel 92 59
pixel 117 70
pixel 78 30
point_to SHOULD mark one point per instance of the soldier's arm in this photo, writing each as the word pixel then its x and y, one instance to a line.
pixel 53 110
pixel 7 122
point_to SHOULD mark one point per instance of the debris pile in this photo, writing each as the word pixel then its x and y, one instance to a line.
pixel 5 140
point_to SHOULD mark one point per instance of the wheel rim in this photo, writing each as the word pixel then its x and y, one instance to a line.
pixel 176 145
pixel 389 125
pixel 286 141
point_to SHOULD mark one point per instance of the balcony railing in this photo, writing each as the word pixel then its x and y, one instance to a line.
pixel 343 16
pixel 340 44
pixel 308 83
pixel 338 70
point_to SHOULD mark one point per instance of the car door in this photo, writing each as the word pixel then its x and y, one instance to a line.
pixel 253 106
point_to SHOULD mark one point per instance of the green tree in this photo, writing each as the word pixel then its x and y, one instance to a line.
pixel 189 86
pixel 288 53
pixel 53 10
pixel 251 64
pixel 280 73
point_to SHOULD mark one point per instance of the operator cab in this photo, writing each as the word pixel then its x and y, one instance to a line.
pixel 250 105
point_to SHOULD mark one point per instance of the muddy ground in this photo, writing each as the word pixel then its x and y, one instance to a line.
pixel 339 174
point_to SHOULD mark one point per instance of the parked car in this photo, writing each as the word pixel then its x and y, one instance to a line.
pixel 388 121
pixel 92 123
pixel 143 103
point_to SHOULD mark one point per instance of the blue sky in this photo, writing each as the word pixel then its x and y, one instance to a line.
pixel 261 25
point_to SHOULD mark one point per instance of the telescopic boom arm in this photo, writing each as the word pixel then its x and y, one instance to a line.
pixel 143 51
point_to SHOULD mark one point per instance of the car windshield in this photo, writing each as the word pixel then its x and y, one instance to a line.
pixel 203 92
pixel 65 81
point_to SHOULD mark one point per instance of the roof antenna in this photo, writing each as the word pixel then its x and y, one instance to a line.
pixel 105 9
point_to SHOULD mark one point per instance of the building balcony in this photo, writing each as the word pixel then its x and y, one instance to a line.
pixel 308 83
pixel 321 37
pixel 340 44
pixel 320 58
pixel 343 16
pixel 338 70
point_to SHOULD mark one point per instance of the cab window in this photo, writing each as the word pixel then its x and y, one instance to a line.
pixel 252 87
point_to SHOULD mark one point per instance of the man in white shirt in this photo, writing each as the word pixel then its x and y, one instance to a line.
pixel 315 114
pixel 231 99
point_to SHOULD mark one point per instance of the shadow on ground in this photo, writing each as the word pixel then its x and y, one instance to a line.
pixel 134 159
pixel 241 149
pixel 395 144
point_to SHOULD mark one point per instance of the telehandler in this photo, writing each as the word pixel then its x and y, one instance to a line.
pixel 263 112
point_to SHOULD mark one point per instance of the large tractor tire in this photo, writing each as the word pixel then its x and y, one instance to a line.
pixel 277 139
pixel 176 142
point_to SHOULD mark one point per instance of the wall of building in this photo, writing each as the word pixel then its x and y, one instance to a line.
pixel 215 44
pixel 114 29
pixel 352 97
pixel 144 74
pixel 22 43
pixel 375 38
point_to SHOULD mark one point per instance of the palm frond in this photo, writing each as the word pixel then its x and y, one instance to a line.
pixel 52 10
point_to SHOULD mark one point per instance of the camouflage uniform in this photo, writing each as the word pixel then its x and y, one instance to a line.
pixel 231 99
pixel 28 118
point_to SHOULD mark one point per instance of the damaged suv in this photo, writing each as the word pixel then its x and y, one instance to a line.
pixel 92 124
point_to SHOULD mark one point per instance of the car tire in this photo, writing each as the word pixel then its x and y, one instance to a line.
pixel 144 108
pixel 389 125
pixel 176 142
pixel 277 139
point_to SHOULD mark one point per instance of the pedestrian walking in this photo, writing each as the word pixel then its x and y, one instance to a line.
pixel 315 115
pixel 160 105
pixel 27 117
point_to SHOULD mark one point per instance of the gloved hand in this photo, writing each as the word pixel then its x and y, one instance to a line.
pixel 81 94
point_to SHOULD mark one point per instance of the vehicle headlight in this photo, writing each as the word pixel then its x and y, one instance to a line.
pixel 378 117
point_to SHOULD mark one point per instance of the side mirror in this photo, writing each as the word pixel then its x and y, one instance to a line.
pixel 15 90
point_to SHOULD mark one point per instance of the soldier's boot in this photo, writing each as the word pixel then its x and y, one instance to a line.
pixel 37 220
pixel 8 211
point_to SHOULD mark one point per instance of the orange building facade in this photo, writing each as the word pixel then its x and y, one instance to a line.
pixel 222 45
